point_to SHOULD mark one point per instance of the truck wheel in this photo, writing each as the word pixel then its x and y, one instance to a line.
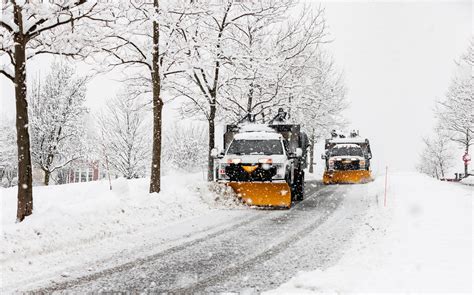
pixel 299 186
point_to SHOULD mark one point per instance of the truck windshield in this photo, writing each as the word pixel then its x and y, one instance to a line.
pixel 255 147
pixel 347 151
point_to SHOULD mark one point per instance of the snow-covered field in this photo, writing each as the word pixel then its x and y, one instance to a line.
pixel 420 242
pixel 80 224
pixel 468 180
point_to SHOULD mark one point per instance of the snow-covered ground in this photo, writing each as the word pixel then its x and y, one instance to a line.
pixel 420 242
pixel 79 224
pixel 468 180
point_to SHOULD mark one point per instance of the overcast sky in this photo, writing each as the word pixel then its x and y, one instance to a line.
pixel 398 58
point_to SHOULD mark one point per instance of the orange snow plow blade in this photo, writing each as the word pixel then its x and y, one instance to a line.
pixel 351 176
pixel 273 194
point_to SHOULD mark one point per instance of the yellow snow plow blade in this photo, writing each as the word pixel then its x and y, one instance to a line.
pixel 351 176
pixel 275 194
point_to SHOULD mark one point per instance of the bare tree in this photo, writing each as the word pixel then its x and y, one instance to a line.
pixel 143 38
pixel 232 68
pixel 57 119
pixel 436 157
pixel 273 61
pixel 28 29
pixel 456 112
pixel 321 100
pixel 123 134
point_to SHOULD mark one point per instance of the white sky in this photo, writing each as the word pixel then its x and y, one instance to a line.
pixel 398 58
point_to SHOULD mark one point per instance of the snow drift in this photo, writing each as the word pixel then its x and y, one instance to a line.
pixel 468 180
pixel 421 242
pixel 78 224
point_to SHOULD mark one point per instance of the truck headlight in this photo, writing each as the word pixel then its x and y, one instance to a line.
pixel 362 164
pixel 280 171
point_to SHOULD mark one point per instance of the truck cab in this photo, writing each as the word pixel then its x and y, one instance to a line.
pixel 263 160
pixel 346 157
pixel 256 156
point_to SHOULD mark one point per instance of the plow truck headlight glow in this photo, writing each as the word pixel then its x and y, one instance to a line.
pixel 234 161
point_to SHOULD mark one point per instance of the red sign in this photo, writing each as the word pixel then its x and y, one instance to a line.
pixel 466 158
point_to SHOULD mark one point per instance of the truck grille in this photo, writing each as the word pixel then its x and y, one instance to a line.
pixel 345 165
pixel 237 172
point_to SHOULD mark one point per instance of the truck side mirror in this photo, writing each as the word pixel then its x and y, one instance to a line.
pixel 369 156
pixel 214 153
pixel 323 156
pixel 299 152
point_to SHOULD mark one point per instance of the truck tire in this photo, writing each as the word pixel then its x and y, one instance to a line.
pixel 299 186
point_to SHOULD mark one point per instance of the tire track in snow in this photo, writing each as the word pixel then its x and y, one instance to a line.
pixel 62 286
pixel 260 258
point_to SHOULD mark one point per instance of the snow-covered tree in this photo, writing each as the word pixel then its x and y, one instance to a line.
pixel 8 156
pixel 57 119
pixel 124 136
pixel 456 111
pixel 143 37
pixel 436 157
pixel 27 29
pixel 321 100
pixel 185 147
pixel 273 59
pixel 243 56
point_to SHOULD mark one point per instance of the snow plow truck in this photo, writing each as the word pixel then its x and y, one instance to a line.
pixel 263 163
pixel 347 159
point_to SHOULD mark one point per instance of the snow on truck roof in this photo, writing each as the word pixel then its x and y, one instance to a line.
pixel 257 135
pixel 348 140
pixel 255 128
pixel 345 146
pixel 256 131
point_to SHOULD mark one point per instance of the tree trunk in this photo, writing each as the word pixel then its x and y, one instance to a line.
pixel 47 176
pixel 441 169
pixel 25 180
pixel 311 153
pixel 212 143
pixel 155 180
pixel 466 165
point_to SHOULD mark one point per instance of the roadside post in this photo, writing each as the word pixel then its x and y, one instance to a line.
pixel 466 158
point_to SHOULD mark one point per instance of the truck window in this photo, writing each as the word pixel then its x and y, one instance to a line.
pixel 255 147
pixel 347 151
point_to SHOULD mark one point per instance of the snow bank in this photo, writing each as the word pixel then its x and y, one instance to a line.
pixel 68 214
pixel 421 242
pixel 468 180
pixel 68 218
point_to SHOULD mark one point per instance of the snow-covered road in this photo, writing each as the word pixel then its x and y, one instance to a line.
pixel 240 250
